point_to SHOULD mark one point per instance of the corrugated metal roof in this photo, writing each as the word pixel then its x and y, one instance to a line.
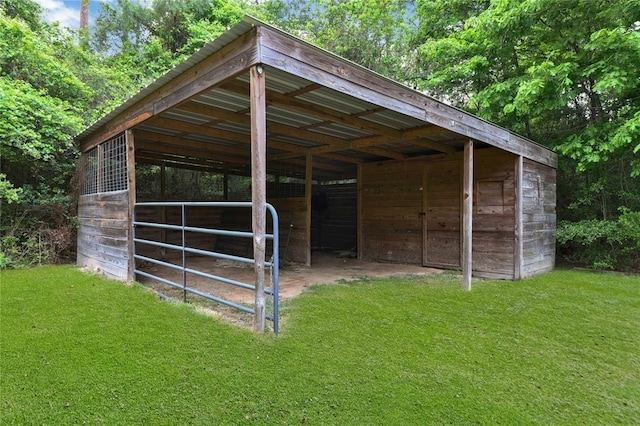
pixel 326 106
pixel 290 118
pixel 223 100
pixel 337 101
pixel 230 35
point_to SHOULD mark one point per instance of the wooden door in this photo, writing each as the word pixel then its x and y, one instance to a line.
pixel 441 214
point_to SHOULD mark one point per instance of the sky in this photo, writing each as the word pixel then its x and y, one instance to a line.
pixel 67 12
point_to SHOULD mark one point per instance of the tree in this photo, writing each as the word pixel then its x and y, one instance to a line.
pixel 26 10
pixel 562 73
pixel 41 104
pixel 371 33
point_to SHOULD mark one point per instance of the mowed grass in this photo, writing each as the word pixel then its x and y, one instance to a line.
pixel 563 348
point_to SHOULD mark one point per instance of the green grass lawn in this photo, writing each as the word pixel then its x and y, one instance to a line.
pixel 563 348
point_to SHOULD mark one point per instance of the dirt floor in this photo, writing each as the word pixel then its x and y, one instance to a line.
pixel 326 268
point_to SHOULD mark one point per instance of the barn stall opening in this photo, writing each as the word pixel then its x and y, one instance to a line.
pixel 352 161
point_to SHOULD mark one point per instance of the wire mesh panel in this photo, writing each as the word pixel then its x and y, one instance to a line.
pixel 286 180
pixel 105 167
pixel 90 180
pixel 114 165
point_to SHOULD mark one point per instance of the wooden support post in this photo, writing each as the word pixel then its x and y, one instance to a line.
pixel 308 192
pixel 519 248
pixel 258 187
pixel 359 236
pixel 467 215
pixel 131 185
pixel 163 210
pixel 423 214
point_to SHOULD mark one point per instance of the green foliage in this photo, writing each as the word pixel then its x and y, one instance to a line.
pixel 28 56
pixel 562 73
pixel 8 193
pixel 376 352
pixel 41 107
pixel 163 33
pixel 34 126
pixel 602 244
pixel 371 33
pixel 25 10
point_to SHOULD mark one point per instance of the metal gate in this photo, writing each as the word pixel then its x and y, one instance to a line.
pixel 183 249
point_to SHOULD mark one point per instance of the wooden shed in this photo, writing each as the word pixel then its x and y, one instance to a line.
pixel 351 160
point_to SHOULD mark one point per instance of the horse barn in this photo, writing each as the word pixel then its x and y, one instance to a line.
pixel 351 161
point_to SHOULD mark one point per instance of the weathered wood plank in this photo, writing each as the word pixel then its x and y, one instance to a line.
pixel 538 218
pixel 467 215
pixel 258 188
pixel 110 270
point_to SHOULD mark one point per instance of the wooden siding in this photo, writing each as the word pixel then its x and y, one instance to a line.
pixel 538 218
pixel 206 217
pixel 391 196
pixel 103 235
pixel 392 200
pixel 442 200
pixel 494 198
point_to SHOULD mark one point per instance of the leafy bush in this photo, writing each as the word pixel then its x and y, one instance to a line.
pixel 36 233
pixel 602 244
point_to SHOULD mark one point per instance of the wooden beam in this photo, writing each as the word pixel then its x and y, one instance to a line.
pixel 274 128
pixel 226 135
pixel 213 164
pixel 258 187
pixel 289 101
pixel 194 129
pixel 382 152
pixel 134 118
pixel 330 144
pixel 467 215
pixel 160 140
pixel 436 146
pixel 360 144
pixel 187 152
pixel 131 184
pixel 150 141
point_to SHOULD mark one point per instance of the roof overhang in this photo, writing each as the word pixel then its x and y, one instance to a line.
pixel 317 102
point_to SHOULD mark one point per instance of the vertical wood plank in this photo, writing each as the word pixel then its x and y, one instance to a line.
pixel 467 215
pixel 425 247
pixel 131 183
pixel 258 187
pixel 518 258
pixel 359 236
pixel 308 191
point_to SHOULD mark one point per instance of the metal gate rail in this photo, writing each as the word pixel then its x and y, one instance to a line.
pixel 273 264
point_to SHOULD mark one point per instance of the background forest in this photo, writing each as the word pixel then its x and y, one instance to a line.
pixel 563 73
